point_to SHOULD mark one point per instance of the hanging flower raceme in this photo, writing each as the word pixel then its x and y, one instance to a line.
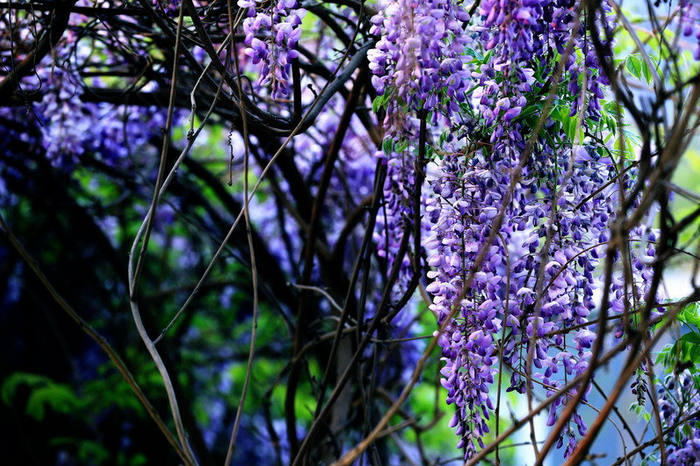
pixel 396 216
pixel 418 66
pixel 272 30
pixel 527 281
pixel 537 277
pixel 420 55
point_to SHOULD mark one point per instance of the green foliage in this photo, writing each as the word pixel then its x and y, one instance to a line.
pixel 478 58
pixel 638 67
pixel 43 393
pixel 87 451
pixel 381 101
pixel 684 353
pixel 568 123
pixel 58 397
pixel 12 383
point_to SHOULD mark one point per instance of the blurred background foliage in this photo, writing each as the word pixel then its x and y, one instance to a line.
pixel 60 395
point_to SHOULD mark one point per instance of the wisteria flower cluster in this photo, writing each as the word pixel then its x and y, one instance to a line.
pixel 418 64
pixel 420 53
pixel 679 396
pixel 272 30
pixel 537 278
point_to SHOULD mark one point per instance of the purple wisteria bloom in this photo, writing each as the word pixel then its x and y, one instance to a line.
pixel 537 276
pixel 272 30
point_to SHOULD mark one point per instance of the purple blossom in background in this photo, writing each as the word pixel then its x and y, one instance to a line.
pixel 169 7
pixel 690 23
pixel 69 126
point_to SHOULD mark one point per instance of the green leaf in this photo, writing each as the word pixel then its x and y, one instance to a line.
pixel 646 72
pixel 44 393
pixel 685 350
pixel 474 54
pixel 13 382
pixel 401 146
pixel 58 397
pixel 634 65
pixel 387 146
pixel 611 107
pixel 376 104
pixel 690 315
